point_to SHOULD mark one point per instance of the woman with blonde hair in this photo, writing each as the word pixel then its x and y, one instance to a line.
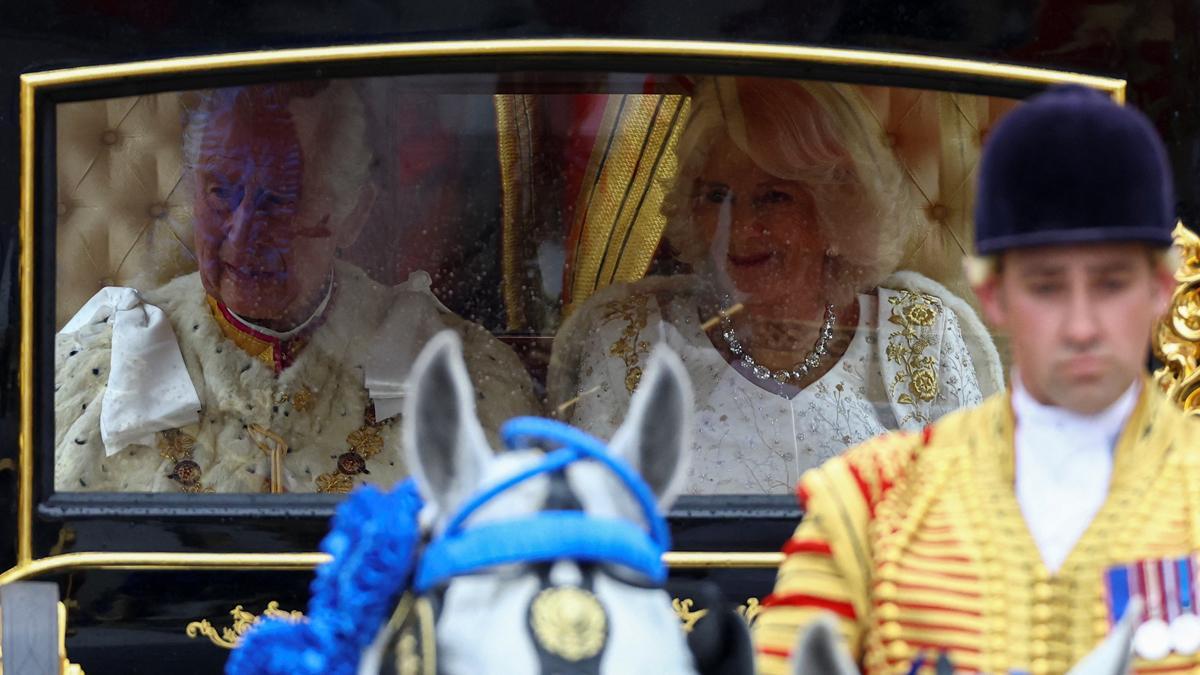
pixel 800 335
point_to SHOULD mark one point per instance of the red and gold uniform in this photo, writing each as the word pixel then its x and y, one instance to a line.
pixel 916 542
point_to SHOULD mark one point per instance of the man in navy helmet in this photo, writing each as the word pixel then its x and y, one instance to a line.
pixel 1011 537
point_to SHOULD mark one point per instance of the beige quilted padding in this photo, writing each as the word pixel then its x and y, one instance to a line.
pixel 123 210
pixel 124 215
pixel 938 137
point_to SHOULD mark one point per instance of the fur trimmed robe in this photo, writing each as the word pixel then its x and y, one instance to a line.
pixel 240 393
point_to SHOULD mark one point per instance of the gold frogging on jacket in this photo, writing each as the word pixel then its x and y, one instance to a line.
pixel 917 541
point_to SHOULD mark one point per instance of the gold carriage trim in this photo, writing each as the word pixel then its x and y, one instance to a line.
pixel 243 621
pixel 687 615
pixel 748 610
pixel 1177 337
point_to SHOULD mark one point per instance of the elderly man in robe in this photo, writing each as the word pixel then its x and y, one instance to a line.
pixel 276 366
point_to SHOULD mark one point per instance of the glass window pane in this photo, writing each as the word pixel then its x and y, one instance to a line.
pixel 246 274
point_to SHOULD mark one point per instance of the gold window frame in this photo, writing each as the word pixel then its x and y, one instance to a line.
pixel 752 54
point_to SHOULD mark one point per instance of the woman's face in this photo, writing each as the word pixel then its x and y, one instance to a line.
pixel 761 230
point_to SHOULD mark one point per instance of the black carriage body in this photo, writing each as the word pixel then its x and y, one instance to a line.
pixel 135 570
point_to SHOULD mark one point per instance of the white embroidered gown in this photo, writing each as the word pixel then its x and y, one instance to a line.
pixel 918 353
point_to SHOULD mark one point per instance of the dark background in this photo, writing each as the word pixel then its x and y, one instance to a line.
pixel 1152 44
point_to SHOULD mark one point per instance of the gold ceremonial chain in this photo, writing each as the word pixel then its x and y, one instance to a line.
pixel 178 447
pixel 365 442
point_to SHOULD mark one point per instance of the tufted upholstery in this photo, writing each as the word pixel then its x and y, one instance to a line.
pixel 123 210
pixel 938 137
pixel 124 207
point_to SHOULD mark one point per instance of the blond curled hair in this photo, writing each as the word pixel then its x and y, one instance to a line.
pixel 823 135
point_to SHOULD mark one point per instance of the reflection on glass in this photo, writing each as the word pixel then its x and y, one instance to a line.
pixel 801 334
pixel 262 275
pixel 276 366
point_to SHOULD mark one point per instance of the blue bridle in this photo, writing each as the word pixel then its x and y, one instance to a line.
pixel 547 536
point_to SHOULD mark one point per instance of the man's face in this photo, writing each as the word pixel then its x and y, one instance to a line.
pixel 1079 318
pixel 263 227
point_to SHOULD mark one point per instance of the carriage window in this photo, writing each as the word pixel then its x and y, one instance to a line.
pixel 245 275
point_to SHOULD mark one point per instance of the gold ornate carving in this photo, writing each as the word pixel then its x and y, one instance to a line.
pixel 916 380
pixel 569 622
pixel 687 615
pixel 243 621
pixel 749 610
pixel 1177 338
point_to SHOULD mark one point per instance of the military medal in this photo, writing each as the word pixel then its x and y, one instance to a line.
pixel 1152 640
pixel 1185 626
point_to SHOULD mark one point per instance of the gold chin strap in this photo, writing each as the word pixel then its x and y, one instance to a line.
pixel 275 447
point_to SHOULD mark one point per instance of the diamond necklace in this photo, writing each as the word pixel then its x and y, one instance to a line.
pixel 797 372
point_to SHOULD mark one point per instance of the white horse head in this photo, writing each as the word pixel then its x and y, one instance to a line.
pixel 611 618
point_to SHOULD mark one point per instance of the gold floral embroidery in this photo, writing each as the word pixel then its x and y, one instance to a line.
pixel 634 311
pixel 917 379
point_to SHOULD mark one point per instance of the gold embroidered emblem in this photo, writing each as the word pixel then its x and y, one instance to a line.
pixel 303 399
pixel 569 622
pixel 917 379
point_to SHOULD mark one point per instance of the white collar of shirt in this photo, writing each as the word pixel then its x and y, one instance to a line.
pixel 291 333
pixel 1063 467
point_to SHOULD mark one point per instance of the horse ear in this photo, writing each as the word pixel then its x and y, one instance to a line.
pixel 444 445
pixel 655 438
